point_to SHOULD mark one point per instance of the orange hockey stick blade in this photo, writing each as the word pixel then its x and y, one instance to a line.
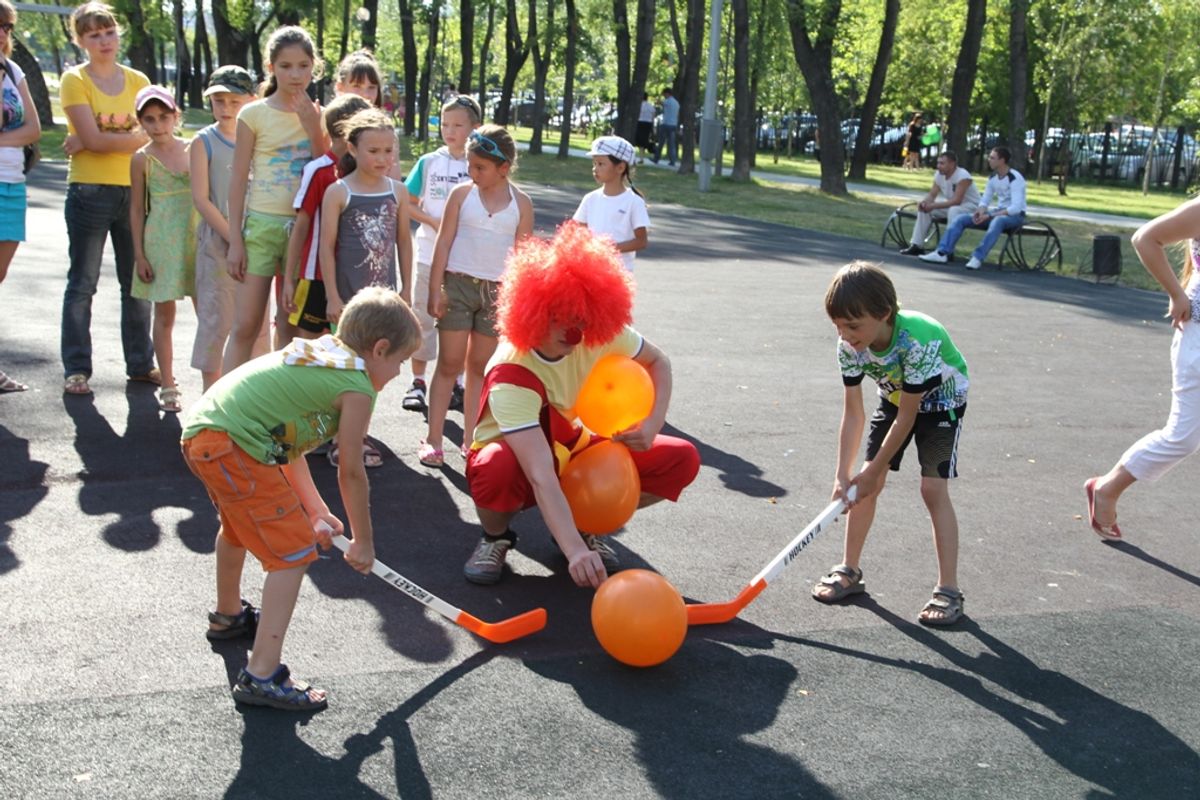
pixel 505 630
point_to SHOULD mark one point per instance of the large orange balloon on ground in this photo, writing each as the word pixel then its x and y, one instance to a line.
pixel 639 618
pixel 602 487
pixel 617 394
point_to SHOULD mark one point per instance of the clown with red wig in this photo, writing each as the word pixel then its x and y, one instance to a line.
pixel 563 306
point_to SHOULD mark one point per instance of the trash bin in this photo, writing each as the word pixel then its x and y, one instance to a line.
pixel 1106 255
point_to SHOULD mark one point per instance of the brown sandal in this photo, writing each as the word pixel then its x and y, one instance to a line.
pixel 837 590
pixel 948 601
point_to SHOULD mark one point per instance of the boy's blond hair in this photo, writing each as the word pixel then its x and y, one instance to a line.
pixel 464 103
pixel 378 313
pixel 861 289
pixel 93 17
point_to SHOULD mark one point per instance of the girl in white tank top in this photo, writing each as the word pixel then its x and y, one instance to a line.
pixel 480 224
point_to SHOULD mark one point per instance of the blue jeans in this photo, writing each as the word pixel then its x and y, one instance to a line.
pixel 668 135
pixel 995 226
pixel 94 212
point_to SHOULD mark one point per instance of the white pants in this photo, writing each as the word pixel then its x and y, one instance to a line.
pixel 947 215
pixel 429 338
pixel 1156 453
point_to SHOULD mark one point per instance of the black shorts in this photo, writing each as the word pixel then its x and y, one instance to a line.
pixel 936 434
pixel 310 305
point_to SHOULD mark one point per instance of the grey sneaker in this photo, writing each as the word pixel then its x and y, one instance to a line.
pixel 599 544
pixel 486 564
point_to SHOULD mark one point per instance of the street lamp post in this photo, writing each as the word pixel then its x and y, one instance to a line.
pixel 710 129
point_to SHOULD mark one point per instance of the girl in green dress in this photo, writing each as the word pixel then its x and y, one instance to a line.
pixel 164 227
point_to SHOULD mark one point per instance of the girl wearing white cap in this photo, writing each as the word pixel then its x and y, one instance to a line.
pixel 617 209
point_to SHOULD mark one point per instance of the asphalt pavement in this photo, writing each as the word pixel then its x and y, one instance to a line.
pixel 1074 677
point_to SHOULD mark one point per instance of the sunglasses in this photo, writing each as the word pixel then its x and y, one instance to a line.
pixel 7 27
pixel 488 146
pixel 467 103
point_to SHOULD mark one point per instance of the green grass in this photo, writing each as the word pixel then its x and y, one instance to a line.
pixel 861 216
pixel 1081 196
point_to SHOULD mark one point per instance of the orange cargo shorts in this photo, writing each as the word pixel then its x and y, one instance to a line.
pixel 258 508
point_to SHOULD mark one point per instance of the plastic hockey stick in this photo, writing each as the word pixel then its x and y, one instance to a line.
pixel 503 631
pixel 716 613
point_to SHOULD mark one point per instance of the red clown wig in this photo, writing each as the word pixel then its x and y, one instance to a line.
pixel 576 279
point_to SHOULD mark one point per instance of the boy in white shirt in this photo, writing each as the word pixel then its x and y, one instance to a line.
pixel 615 210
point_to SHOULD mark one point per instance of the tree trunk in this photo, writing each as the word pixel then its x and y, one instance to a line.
pixel 870 109
pixel 183 59
pixel 485 52
pixel 564 140
pixel 542 53
pixel 35 81
pixel 516 51
pixel 466 45
pixel 344 48
pixel 815 59
pixel 410 65
pixel 687 85
pixel 631 100
pixel 233 46
pixel 959 119
pixel 370 25
pixel 435 18
pixel 1018 53
pixel 139 45
pixel 743 106
pixel 202 61
pixel 621 24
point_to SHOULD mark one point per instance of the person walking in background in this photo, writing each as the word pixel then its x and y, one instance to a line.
pixel 1156 453
pixel 668 129
pixel 19 126
pixel 645 126
pixel 102 135
pixel 911 152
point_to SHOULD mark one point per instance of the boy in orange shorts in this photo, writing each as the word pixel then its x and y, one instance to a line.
pixel 246 440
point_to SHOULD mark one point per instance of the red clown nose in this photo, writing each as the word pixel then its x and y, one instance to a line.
pixel 573 336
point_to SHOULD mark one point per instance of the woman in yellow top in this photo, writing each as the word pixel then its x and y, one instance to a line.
pixel 98 98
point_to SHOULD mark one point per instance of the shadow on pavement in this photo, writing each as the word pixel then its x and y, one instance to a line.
pixel 146 454
pixel 1123 750
pixel 737 473
pixel 270 739
pixel 23 486
pixel 1154 561
pixel 692 718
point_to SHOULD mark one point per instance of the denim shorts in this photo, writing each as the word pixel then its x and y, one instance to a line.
pixel 12 212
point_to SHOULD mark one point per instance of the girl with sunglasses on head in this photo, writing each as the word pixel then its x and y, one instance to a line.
pixel 481 223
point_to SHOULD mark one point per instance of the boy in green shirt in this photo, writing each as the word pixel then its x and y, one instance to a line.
pixel 246 439
pixel 922 395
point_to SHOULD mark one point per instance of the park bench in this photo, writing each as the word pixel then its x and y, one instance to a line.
pixel 1032 246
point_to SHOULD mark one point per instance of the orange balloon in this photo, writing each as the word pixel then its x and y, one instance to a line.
pixel 639 618
pixel 617 394
pixel 602 487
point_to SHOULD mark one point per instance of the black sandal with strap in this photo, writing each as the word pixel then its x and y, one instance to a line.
pixel 840 591
pixel 946 600
pixel 244 623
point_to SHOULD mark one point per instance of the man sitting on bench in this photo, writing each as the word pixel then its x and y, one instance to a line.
pixel 1001 209
pixel 952 195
